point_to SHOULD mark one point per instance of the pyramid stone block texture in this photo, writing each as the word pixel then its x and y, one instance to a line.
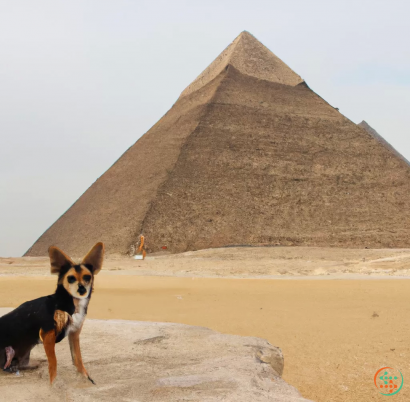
pixel 248 155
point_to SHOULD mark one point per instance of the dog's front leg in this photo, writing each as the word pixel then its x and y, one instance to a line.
pixel 74 339
pixel 49 342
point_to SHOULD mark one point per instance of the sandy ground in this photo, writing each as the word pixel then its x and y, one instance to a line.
pixel 246 262
pixel 335 334
pixel 134 361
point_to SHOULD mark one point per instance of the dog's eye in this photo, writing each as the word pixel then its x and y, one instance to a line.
pixel 71 279
pixel 87 278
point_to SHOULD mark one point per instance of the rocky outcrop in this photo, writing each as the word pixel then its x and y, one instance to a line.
pixel 142 361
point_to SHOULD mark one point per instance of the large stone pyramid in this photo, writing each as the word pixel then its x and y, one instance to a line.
pixel 248 155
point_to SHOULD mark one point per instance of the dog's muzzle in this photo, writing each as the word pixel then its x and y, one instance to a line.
pixel 82 290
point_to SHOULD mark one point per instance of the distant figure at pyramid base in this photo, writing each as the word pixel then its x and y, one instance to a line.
pixel 248 155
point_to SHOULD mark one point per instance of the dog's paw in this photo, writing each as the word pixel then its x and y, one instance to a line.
pixel 12 369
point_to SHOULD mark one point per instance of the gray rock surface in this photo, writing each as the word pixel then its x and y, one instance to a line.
pixel 143 361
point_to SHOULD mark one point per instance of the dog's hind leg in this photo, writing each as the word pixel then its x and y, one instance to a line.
pixel 24 360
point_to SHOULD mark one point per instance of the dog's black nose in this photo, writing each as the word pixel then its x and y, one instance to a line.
pixel 81 289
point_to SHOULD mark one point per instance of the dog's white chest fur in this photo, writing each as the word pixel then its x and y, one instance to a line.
pixel 79 315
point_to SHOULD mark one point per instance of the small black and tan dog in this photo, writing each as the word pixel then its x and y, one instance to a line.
pixel 51 318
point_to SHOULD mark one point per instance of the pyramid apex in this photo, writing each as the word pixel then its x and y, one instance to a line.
pixel 244 33
pixel 250 57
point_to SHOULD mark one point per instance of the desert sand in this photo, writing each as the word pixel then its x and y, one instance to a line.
pixel 335 333
pixel 245 262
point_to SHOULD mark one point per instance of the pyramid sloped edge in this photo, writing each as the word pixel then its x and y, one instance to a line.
pixel 114 207
pixel 366 126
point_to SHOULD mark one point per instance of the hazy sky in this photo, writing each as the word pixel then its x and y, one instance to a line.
pixel 82 80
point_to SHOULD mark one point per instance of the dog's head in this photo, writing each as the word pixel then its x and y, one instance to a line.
pixel 77 279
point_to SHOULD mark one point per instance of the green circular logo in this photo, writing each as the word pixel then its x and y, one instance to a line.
pixel 388 381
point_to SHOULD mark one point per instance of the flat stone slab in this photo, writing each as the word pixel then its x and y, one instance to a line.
pixel 147 361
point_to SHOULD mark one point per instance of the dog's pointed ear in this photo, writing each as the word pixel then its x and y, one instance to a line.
pixel 58 259
pixel 94 258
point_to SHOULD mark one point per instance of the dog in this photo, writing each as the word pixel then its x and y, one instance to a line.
pixel 50 319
